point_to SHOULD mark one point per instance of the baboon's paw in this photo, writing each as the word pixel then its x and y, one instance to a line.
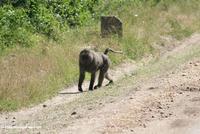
pixel 95 87
pixel 90 89
pixel 80 89
pixel 111 82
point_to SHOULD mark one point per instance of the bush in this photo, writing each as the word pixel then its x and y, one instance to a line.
pixel 22 19
pixel 15 27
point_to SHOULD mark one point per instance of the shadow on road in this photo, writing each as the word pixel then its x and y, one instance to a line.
pixel 72 92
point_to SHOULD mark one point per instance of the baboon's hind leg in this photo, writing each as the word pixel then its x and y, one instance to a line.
pixel 100 81
pixel 107 76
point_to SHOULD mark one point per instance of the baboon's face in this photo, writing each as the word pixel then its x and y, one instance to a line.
pixel 86 56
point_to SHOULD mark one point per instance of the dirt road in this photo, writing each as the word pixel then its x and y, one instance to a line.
pixel 161 96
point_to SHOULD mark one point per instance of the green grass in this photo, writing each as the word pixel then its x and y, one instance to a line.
pixel 31 75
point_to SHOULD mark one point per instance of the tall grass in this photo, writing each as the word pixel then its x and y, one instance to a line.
pixel 31 75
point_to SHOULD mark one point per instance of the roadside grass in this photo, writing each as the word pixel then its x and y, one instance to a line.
pixel 31 75
pixel 171 62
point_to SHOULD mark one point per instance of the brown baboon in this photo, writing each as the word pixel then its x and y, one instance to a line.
pixel 91 61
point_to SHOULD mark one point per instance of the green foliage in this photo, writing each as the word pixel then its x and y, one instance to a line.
pixel 22 20
pixel 73 12
pixel 15 27
pixel 43 21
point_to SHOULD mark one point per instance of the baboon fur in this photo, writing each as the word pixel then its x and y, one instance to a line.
pixel 91 61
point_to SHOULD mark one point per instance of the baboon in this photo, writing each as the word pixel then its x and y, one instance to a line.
pixel 91 61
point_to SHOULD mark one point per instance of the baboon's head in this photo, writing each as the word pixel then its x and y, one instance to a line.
pixel 86 56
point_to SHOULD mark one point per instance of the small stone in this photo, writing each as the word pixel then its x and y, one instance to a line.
pixel 161 112
pixel 89 108
pixel 14 118
pixel 168 107
pixel 111 101
pixel 150 88
pixel 64 125
pixel 78 117
pixel 44 105
pixel 183 74
pixel 152 116
pixel 73 113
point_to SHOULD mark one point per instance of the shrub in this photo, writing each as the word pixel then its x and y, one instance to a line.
pixel 14 27
pixel 22 19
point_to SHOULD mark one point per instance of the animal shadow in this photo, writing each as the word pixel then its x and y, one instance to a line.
pixel 71 92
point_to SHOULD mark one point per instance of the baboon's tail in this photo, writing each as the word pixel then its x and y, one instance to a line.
pixel 110 50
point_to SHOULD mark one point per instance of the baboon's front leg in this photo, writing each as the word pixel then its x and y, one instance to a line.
pixel 93 75
pixel 81 78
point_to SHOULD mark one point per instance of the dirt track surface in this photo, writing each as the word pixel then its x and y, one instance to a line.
pixel 167 102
